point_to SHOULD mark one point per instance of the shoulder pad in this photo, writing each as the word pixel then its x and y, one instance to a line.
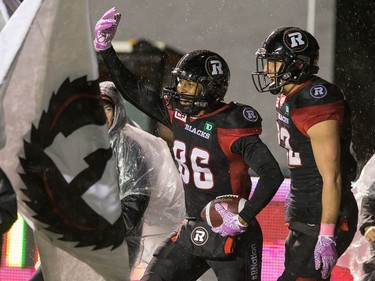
pixel 242 116
pixel 318 93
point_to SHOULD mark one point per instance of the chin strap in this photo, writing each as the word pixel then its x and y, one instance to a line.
pixel 275 88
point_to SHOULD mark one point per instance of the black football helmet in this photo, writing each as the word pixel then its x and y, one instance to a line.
pixel 206 68
pixel 297 51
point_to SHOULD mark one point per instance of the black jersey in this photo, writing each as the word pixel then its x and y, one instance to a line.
pixel 213 152
pixel 202 149
pixel 316 101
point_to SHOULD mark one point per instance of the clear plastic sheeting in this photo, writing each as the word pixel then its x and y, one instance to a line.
pixel 166 207
pixel 359 250
pixel 161 177
pixel 145 167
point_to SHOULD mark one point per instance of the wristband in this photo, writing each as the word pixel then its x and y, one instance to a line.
pixel 327 229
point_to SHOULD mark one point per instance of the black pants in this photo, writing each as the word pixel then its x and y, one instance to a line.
pixel 302 238
pixel 171 262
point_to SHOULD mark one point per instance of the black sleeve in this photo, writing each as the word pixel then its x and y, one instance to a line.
pixel 133 91
pixel 8 204
pixel 367 211
pixel 259 158
pixel 133 208
pixel 134 204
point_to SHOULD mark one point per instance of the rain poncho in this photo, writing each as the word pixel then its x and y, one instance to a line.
pixel 146 170
pixel 367 219
pixel 360 251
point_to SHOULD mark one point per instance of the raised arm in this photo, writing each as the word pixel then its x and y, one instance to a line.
pixel 126 82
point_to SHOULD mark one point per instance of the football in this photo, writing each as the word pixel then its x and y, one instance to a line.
pixel 231 202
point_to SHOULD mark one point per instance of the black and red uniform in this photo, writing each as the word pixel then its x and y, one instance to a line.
pixel 213 153
pixel 206 162
pixel 315 101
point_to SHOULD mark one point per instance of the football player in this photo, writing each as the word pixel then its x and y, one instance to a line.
pixel 313 122
pixel 215 144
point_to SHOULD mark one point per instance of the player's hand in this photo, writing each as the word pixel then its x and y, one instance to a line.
pixel 105 29
pixel 325 255
pixel 231 225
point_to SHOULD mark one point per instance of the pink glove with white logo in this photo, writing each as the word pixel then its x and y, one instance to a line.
pixel 230 226
pixel 105 29
pixel 325 254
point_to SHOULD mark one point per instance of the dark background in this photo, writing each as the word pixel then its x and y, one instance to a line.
pixel 354 70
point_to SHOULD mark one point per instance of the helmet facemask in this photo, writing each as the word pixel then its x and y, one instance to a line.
pixel 296 53
pixel 267 78
pixel 275 70
pixel 187 103
pixel 207 69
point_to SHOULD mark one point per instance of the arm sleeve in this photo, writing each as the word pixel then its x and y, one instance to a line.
pixel 133 91
pixel 133 208
pixel 135 176
pixel 259 158
pixel 8 204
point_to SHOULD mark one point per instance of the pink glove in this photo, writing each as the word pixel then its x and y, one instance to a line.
pixel 105 29
pixel 230 226
pixel 325 255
